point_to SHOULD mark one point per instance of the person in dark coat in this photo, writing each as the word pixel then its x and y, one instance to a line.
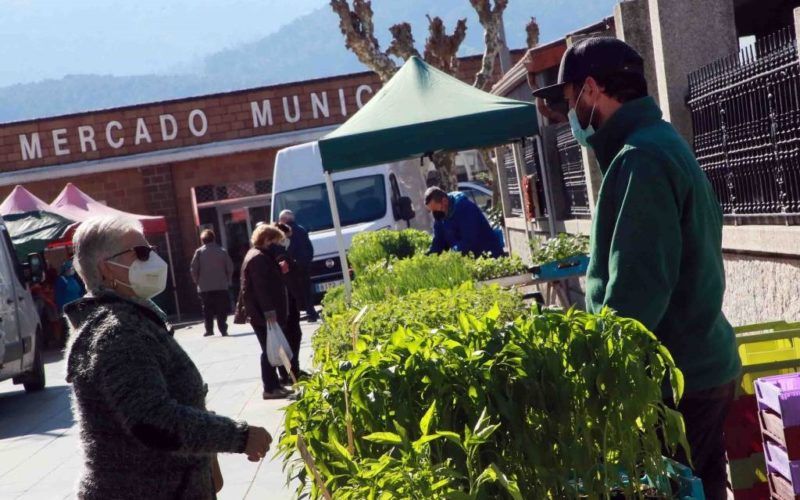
pixel 297 293
pixel 459 225
pixel 302 251
pixel 264 297
pixel 212 272
pixel 138 398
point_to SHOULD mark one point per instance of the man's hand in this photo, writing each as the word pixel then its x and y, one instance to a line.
pixel 258 441
pixel 271 317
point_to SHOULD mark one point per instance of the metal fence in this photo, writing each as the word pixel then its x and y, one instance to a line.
pixel 573 174
pixel 746 117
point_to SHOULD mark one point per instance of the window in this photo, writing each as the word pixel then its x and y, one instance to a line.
pixel 362 199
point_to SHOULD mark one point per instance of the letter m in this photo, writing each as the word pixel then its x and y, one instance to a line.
pixel 31 148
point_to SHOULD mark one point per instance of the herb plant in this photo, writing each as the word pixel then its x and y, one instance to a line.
pixel 552 405
pixel 561 247
pixel 382 246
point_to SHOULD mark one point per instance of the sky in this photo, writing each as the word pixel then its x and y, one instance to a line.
pixel 43 39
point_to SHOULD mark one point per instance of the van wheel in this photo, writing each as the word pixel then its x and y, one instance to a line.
pixel 34 380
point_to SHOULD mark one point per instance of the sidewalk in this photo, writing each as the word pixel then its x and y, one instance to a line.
pixel 39 454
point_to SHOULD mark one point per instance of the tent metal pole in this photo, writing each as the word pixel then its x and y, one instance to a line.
pixel 172 274
pixel 337 225
pixel 548 197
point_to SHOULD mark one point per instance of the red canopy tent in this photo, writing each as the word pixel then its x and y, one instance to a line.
pixel 21 200
pixel 76 205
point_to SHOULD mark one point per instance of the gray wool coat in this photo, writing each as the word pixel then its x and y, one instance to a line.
pixel 139 401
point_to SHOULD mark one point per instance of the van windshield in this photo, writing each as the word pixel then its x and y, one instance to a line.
pixel 362 199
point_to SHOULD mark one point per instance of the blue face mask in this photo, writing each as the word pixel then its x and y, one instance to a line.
pixel 581 134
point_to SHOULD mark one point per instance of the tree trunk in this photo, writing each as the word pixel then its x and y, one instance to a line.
pixel 490 164
pixel 445 163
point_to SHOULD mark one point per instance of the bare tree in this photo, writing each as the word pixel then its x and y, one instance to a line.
pixel 440 51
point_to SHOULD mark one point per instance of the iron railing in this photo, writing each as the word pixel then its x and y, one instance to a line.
pixel 746 116
pixel 573 174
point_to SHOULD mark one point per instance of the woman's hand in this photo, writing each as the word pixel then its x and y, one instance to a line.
pixel 258 441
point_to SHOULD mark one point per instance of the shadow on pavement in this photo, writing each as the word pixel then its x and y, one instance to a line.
pixel 23 414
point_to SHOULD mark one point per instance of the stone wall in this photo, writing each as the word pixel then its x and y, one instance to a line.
pixel 761 288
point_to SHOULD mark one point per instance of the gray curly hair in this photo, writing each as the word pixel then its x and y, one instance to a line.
pixel 95 240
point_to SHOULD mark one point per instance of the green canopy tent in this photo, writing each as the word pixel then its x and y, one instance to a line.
pixel 419 111
pixel 31 222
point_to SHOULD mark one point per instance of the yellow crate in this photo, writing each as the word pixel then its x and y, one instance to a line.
pixel 767 349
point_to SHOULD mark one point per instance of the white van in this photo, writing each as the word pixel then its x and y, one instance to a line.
pixel 21 341
pixel 388 196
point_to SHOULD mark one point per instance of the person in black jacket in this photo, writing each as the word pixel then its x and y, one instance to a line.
pixel 264 296
pixel 302 251
pixel 297 287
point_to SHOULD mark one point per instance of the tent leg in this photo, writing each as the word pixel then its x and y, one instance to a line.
pixel 548 198
pixel 337 225
pixel 172 274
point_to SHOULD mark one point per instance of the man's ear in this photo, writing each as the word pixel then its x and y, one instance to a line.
pixel 105 270
pixel 592 89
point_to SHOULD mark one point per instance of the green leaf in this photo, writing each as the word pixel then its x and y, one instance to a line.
pixel 384 438
pixel 425 422
pixel 473 392
pixel 676 425
pixel 676 381
pixel 510 486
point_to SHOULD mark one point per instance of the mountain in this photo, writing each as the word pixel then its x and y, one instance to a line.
pixel 311 46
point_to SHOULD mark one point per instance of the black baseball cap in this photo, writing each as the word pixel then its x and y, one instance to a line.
pixel 596 56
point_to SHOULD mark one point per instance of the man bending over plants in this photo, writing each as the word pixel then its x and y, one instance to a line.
pixel 459 225
pixel 656 238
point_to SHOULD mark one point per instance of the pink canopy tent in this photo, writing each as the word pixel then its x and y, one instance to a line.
pixel 76 205
pixel 21 201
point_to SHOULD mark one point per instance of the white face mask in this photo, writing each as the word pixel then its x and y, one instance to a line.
pixel 147 278
pixel 286 242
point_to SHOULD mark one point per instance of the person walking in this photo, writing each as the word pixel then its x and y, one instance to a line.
pixel 139 400
pixel 212 272
pixel 301 250
pixel 656 252
pixel 263 297
pixel 459 225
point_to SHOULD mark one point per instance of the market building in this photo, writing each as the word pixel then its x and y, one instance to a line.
pixel 739 108
pixel 200 161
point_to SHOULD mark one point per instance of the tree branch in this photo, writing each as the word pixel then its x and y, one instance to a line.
pixel 402 42
pixel 491 19
pixel 358 29
pixel 441 49
pixel 532 29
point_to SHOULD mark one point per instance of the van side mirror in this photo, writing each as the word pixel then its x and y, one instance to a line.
pixel 33 268
pixel 405 209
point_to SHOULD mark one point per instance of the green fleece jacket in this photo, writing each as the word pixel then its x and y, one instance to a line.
pixel 656 251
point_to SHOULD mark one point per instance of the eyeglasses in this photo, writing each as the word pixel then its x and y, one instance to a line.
pixel 142 252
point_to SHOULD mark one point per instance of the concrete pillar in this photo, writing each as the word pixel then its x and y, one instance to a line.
pixel 632 25
pixel 687 34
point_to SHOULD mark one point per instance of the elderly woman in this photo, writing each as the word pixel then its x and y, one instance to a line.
pixel 264 296
pixel 138 398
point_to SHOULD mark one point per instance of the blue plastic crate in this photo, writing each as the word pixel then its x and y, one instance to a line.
pixel 565 268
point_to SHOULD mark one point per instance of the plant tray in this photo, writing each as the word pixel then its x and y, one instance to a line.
pixel 565 268
pixel 767 349
pixel 509 281
pixel 781 489
pixel 781 394
pixel 788 437
pixel 778 461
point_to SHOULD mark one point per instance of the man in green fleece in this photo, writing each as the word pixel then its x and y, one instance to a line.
pixel 656 239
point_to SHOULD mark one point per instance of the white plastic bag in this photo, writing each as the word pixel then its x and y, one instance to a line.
pixel 278 351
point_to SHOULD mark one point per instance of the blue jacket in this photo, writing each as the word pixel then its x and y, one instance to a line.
pixel 300 249
pixel 465 230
